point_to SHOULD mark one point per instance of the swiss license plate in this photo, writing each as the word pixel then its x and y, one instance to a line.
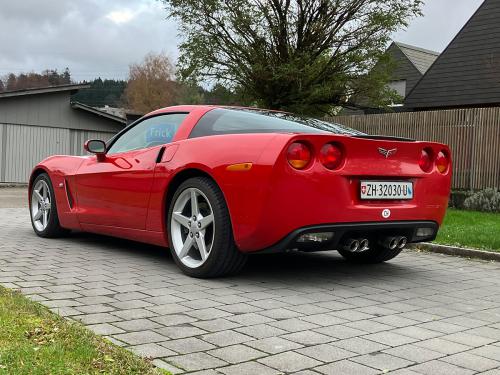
pixel 386 190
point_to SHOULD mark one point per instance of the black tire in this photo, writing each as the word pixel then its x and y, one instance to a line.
pixel 376 254
pixel 224 257
pixel 53 228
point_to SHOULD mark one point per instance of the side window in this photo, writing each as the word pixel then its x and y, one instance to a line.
pixel 150 132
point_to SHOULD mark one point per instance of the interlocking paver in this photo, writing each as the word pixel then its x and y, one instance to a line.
pixel 359 345
pixel 440 367
pixel 225 338
pixel 289 362
pixel 346 367
pixel 105 329
pixel 442 346
pixel 326 352
pixel 137 325
pixel 174 319
pixel 152 350
pixel 96 318
pixel 196 361
pixel 340 331
pixel 472 361
pixel 237 353
pixel 390 338
pixel 181 331
pixel 414 353
pixel 466 338
pixel 308 338
pixel 417 332
pixel 249 368
pixel 261 331
pixel 293 325
pixel 215 325
pixel 188 345
pixel 382 361
pixel 141 337
pixel 274 345
pixel 299 313
pixel 488 351
pixel 167 366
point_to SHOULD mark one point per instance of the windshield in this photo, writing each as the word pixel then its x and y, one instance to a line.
pixel 239 121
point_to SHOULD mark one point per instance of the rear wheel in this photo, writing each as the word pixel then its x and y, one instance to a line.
pixel 200 231
pixel 375 254
pixel 43 209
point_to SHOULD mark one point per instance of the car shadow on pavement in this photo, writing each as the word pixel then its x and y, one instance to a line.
pixel 288 265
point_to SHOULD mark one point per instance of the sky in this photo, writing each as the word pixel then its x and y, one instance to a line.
pixel 103 37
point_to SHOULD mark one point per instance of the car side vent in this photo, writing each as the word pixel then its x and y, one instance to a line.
pixel 68 194
pixel 160 154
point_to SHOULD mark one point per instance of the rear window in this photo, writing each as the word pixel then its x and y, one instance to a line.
pixel 239 121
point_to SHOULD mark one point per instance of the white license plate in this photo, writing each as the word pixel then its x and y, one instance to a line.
pixel 386 190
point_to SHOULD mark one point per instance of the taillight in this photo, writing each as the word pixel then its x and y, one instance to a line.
pixel 331 156
pixel 298 155
pixel 425 161
pixel 442 162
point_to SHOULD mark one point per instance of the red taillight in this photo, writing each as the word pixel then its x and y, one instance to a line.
pixel 298 155
pixel 331 156
pixel 425 161
pixel 442 162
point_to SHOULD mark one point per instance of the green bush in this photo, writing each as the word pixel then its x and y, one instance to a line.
pixel 487 200
pixel 458 197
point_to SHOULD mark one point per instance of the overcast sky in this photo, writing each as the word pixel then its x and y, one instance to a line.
pixel 102 37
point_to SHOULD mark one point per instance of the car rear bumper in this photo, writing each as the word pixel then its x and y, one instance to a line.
pixel 372 230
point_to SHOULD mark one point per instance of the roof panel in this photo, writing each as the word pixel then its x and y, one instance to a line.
pixel 421 58
pixel 468 71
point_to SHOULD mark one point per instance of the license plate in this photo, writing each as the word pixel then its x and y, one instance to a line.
pixel 386 190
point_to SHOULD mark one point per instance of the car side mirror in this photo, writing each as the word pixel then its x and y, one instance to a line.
pixel 95 146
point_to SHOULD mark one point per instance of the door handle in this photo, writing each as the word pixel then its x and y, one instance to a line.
pixel 167 154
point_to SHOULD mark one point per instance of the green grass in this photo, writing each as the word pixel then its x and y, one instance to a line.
pixel 33 340
pixel 473 229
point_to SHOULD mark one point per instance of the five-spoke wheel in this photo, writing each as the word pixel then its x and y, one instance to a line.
pixel 40 205
pixel 43 209
pixel 200 232
pixel 192 227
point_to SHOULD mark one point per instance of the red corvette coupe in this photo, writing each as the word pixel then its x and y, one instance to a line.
pixel 215 184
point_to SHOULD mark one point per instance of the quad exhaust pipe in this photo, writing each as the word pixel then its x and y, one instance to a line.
pixel 358 245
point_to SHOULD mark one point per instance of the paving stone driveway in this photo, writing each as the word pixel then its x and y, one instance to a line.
pixel 292 313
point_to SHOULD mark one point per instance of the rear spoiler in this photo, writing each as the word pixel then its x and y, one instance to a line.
pixel 384 138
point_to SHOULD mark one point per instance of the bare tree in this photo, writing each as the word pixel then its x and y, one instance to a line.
pixel 151 84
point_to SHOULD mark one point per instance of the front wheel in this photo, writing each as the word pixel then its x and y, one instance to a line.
pixel 200 233
pixel 43 209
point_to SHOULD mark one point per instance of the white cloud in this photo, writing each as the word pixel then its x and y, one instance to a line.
pixel 121 16
pixel 80 35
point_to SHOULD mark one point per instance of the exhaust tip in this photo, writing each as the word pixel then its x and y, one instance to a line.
pixel 351 245
pixel 402 241
pixel 393 243
pixel 389 242
pixel 364 244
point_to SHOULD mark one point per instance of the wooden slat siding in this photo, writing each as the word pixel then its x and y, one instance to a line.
pixel 473 135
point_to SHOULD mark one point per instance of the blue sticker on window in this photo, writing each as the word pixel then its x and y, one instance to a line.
pixel 160 133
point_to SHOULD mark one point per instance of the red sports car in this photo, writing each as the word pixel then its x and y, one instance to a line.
pixel 215 184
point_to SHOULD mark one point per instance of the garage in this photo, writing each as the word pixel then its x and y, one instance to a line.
pixel 36 123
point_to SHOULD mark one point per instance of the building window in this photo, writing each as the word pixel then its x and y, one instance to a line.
pixel 399 87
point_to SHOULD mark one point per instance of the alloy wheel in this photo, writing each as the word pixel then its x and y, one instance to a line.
pixel 40 205
pixel 192 227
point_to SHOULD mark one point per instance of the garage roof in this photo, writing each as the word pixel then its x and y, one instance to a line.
pixel 44 90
